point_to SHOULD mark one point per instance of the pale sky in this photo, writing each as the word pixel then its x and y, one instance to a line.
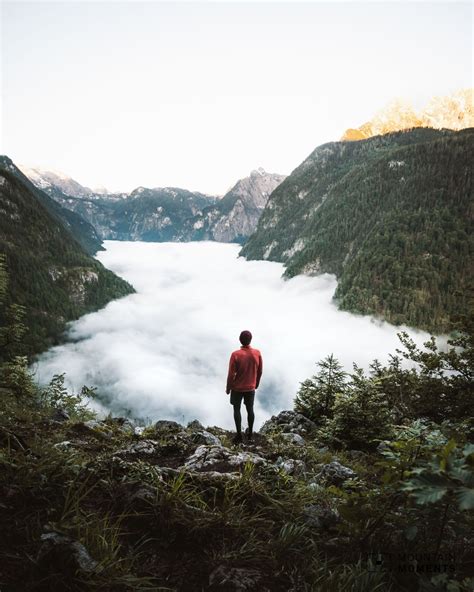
pixel 196 95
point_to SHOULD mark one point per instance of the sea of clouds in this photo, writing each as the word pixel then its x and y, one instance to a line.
pixel 163 352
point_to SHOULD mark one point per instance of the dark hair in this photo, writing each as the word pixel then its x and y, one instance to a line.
pixel 245 337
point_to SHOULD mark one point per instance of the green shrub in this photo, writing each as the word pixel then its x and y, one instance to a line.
pixel 316 396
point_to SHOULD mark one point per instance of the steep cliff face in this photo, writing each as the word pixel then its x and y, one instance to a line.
pixel 50 274
pixel 390 216
pixel 453 112
pixel 235 216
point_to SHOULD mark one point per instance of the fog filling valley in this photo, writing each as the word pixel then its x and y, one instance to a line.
pixel 163 352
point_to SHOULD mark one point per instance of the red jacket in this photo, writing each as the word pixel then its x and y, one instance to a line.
pixel 245 369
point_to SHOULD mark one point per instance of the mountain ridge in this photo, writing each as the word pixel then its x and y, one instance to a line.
pixel 173 213
pixel 50 274
pixel 389 216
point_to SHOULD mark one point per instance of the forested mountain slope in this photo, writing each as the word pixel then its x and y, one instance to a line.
pixel 50 274
pixel 80 229
pixel 391 216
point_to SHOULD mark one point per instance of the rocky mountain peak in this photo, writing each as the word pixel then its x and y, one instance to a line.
pixel 455 112
pixel 45 179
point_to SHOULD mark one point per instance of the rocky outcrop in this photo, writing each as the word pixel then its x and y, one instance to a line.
pixel 334 473
pixel 206 458
pixel 235 216
pixel 289 422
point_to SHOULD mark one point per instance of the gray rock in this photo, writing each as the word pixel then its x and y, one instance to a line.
pixel 143 447
pixel 165 425
pixel 318 517
pixel 207 458
pixel 291 466
pixel 335 474
pixel 289 422
pixel 236 579
pixel 61 553
pixel 195 425
pixel 314 487
pixel 292 438
pixel 205 437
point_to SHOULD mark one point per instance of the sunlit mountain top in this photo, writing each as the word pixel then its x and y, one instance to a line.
pixel 455 111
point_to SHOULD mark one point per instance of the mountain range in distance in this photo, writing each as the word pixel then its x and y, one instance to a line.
pixel 164 214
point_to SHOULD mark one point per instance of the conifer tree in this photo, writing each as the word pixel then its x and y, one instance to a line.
pixel 361 415
pixel 316 396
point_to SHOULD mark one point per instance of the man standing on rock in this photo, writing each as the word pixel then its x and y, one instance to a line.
pixel 245 371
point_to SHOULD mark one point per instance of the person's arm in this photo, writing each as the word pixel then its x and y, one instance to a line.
pixel 259 370
pixel 231 373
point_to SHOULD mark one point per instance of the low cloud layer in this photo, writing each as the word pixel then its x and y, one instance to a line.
pixel 163 353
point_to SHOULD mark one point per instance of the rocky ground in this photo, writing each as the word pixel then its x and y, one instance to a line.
pixel 110 505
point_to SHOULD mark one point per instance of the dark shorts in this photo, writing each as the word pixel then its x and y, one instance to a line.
pixel 236 397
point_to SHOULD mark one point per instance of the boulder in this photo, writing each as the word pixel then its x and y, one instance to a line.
pixel 205 437
pixel 207 458
pixel 167 425
pixel 294 439
pixel 289 422
pixel 195 425
pixel 143 447
pixel 334 473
